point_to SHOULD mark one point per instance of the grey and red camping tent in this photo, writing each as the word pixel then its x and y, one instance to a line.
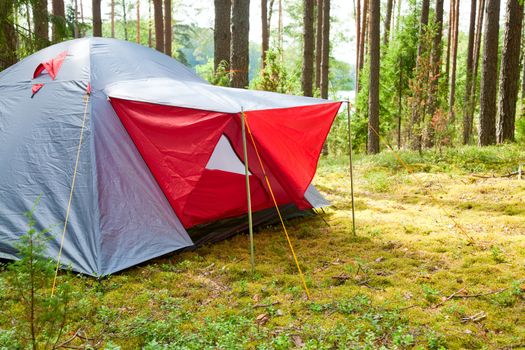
pixel 160 153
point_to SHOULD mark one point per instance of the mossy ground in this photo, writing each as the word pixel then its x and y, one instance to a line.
pixel 385 287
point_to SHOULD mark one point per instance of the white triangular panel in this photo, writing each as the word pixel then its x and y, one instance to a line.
pixel 224 158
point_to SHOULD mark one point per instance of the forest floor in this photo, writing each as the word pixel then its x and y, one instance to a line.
pixel 439 270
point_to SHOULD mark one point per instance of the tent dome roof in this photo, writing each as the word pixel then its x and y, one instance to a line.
pixel 100 61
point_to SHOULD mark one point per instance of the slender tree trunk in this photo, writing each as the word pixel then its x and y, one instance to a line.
pixel 319 44
pixel 265 32
pixel 489 75
pixel 97 18
pixel 523 85
pixel 8 37
pixel 451 10
pixel 82 30
pixel 112 18
pixel 436 71
pixel 363 36
pixel 41 27
pixel 373 93
pixel 167 28
pixel 452 93
pixel 388 20
pixel 59 20
pixel 467 123
pixel 279 29
pixel 325 58
pixel 240 43
pixel 510 71
pixel 150 26
pixel 125 19
pixel 477 50
pixel 159 25
pixel 416 137
pixel 399 102
pixel 222 33
pixel 357 43
pixel 308 47
pixel 138 22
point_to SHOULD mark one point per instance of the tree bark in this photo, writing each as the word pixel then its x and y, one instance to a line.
pixel 362 39
pixel 388 20
pixel 8 37
pixel 97 18
pixel 222 33
pixel 489 75
pixel 167 27
pixel 416 138
pixel 265 32
pixel 436 71
pixel 308 47
pixel 40 22
pixel 125 19
pixel 325 57
pixel 159 25
pixel 451 10
pixel 150 34
pixel 318 44
pixel 59 20
pixel 373 92
pixel 452 92
pixel 239 57
pixel 467 123
pixel 357 42
pixel 510 71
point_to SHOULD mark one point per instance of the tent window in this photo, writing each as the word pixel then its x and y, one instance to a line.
pixel 224 158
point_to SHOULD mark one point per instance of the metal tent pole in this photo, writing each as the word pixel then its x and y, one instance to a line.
pixel 249 197
pixel 351 164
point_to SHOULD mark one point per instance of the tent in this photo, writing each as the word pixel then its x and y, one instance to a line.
pixel 155 151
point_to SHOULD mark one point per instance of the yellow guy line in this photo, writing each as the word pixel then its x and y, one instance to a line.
pixel 277 208
pixel 410 171
pixel 86 101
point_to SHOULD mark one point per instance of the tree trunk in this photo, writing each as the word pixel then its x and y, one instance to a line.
pixel 388 20
pixel 357 42
pixel 362 39
pixel 451 10
pixel 40 21
pixel 319 44
pixel 477 50
pixel 279 29
pixel 222 33
pixel 373 92
pixel 125 19
pixel 159 25
pixel 467 123
pixel 325 57
pixel 137 39
pixel 265 32
pixel 97 18
pixel 112 18
pixel 239 57
pixel 454 53
pixel 59 20
pixel 489 75
pixel 308 47
pixel 8 37
pixel 510 71
pixel 416 137
pixel 436 71
pixel 167 28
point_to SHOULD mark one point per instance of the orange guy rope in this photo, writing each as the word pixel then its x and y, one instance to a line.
pixel 277 207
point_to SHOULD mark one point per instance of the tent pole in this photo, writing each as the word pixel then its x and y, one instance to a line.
pixel 351 164
pixel 249 197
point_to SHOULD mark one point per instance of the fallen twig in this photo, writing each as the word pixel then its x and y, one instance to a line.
pixel 267 305
pixel 448 298
pixel 475 318
pixel 480 294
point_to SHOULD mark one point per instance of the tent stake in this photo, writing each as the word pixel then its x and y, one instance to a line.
pixel 249 197
pixel 351 164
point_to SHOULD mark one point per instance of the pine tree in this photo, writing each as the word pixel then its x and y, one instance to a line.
pixel 325 57
pixel 221 32
pixel 97 18
pixel 308 47
pixel 373 84
pixel 239 56
pixel 167 27
pixel 159 25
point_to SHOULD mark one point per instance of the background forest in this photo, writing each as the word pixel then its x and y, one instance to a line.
pixel 412 74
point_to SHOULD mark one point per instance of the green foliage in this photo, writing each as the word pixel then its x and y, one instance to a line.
pixel 275 77
pixel 220 77
pixel 38 318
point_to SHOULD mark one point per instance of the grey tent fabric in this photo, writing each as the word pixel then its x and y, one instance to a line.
pixel 119 215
